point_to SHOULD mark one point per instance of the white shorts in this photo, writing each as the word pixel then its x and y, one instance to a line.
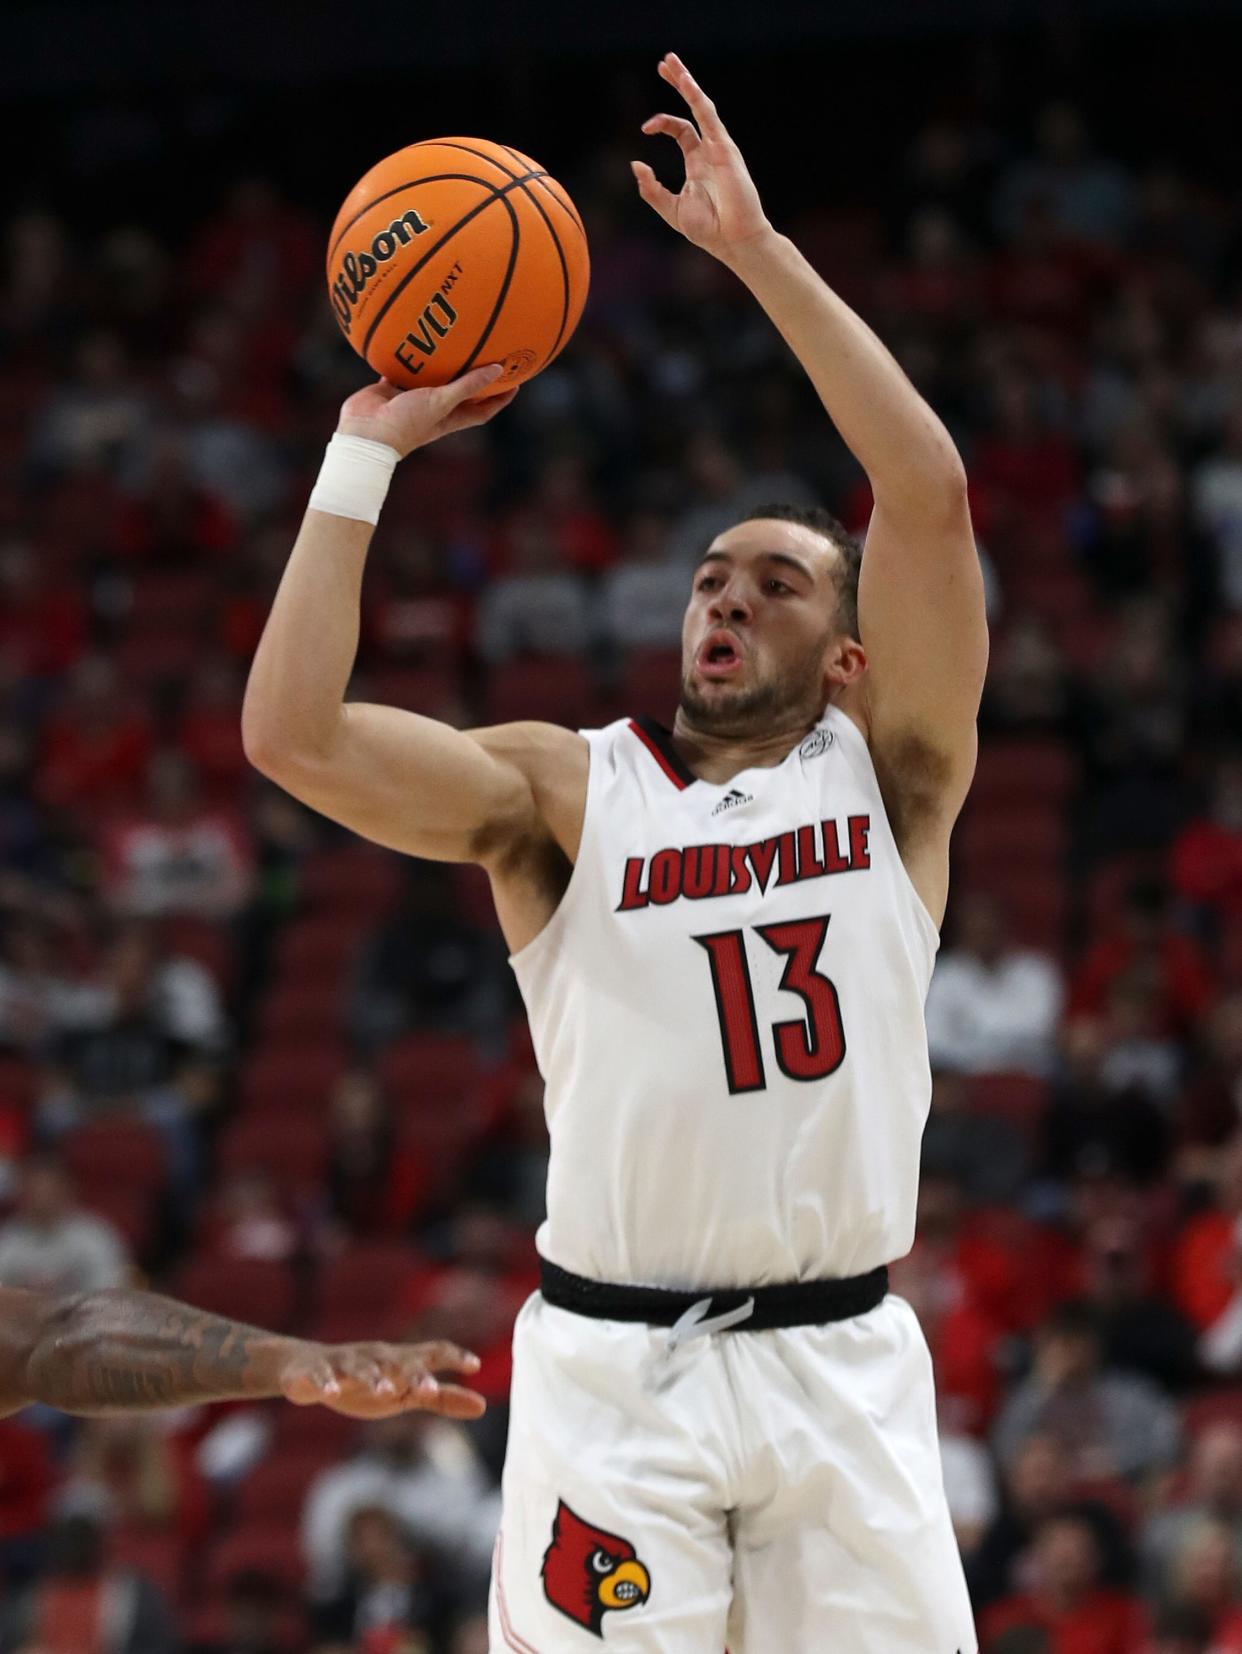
pixel 776 1492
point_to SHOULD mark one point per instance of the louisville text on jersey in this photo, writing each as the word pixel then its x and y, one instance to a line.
pixel 700 871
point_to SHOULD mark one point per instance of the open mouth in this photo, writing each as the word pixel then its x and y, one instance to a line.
pixel 719 655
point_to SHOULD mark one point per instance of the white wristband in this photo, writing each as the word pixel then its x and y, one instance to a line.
pixel 353 480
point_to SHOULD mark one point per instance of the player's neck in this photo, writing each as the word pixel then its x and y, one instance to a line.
pixel 718 758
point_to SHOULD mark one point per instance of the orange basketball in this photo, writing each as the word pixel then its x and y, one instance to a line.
pixel 453 253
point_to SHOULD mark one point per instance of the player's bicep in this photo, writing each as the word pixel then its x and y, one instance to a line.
pixel 923 624
pixel 417 785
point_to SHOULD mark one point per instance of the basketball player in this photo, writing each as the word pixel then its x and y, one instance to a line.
pixel 120 1351
pixel 723 1426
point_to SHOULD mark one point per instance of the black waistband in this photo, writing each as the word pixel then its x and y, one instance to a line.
pixel 789 1304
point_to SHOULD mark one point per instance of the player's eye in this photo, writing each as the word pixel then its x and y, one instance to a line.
pixel 601 1562
pixel 778 586
pixel 707 582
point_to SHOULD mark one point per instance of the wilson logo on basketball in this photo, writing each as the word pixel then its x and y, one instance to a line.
pixel 358 269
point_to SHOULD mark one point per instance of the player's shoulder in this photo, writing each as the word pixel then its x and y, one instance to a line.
pixel 532 745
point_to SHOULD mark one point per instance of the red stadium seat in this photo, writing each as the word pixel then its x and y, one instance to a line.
pixel 370 1276
pixel 356 880
pixel 1222 1406
pixel 1013 771
pixel 275 1489
pixel 1012 837
pixel 319 947
pixel 432 1066
pixel 292 1148
pixel 651 683
pixel 292 1075
pixel 129 1211
pixel 18 1079
pixel 256 1290
pixel 116 1154
pixel 199 939
pixel 314 1430
pixel 257 1547
pixel 1018 1098
pixel 154 1552
pixel 555 689
pixel 426 689
pixel 301 1009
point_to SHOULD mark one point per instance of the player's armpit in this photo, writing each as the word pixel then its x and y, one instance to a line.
pixel 923 625
pixel 422 787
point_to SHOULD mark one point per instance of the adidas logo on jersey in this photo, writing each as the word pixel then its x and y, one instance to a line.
pixel 733 800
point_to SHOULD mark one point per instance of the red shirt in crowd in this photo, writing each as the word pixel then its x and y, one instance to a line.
pixel 1207 867
pixel 1186 981
pixel 1106 1622
pixel 1205 1266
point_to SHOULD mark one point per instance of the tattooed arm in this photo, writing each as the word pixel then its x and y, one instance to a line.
pixel 121 1351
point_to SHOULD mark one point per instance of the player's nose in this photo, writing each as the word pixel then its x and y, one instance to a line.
pixel 730 605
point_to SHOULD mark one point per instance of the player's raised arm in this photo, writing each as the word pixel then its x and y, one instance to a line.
pixel 406 781
pixel 124 1351
pixel 920 598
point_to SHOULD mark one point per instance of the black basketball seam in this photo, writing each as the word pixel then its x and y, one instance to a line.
pixel 560 253
pixel 413 183
pixel 431 252
pixel 570 212
pixel 524 180
pixel 504 288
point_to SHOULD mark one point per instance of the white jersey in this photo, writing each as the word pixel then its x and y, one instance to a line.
pixel 727 1010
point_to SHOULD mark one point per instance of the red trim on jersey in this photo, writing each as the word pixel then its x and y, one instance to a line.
pixel 519 1644
pixel 659 744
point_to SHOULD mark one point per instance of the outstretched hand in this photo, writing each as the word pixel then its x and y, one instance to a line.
pixel 406 420
pixel 372 1381
pixel 718 207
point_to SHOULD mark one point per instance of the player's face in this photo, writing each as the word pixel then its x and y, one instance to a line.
pixel 760 631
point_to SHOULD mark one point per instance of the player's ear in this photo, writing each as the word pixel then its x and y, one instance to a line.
pixel 845 661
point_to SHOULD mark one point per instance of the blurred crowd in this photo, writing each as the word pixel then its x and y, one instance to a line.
pixel 250 1060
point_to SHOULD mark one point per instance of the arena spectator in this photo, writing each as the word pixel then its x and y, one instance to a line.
pixel 247 1219
pixel 256 1612
pixel 84 1604
pixel 1140 1332
pixel 141 1473
pixel 27 1476
pixel 177 855
pixel 1206 862
pixel 390 1592
pixel 96 743
pixel 41 997
pixel 644 596
pixel 1087 199
pixel 1065 1600
pixel 1203 1576
pixel 992 1006
pixel 986 1153
pixel 51 1245
pixel 1204 1269
pixel 540 606
pixel 427 966
pixel 97 414
pixel 1110 1424
pixel 424 1473
pixel 375 1182
pixel 1213 1495
pixel 1030 688
pixel 1217 493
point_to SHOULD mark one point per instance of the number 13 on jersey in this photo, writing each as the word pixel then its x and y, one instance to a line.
pixel 808 1047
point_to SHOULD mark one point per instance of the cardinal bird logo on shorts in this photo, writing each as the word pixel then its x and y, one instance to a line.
pixel 588 1571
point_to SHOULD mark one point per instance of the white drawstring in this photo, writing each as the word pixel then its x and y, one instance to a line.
pixel 696 1323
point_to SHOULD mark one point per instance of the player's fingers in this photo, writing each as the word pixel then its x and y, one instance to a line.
pixel 478 413
pixel 312 1385
pixel 470 384
pixel 674 126
pixel 653 191
pixel 440 1355
pixel 701 106
pixel 452 1401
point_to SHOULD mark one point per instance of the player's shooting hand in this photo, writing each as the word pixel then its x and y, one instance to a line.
pixel 406 420
pixel 718 206
pixel 372 1381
